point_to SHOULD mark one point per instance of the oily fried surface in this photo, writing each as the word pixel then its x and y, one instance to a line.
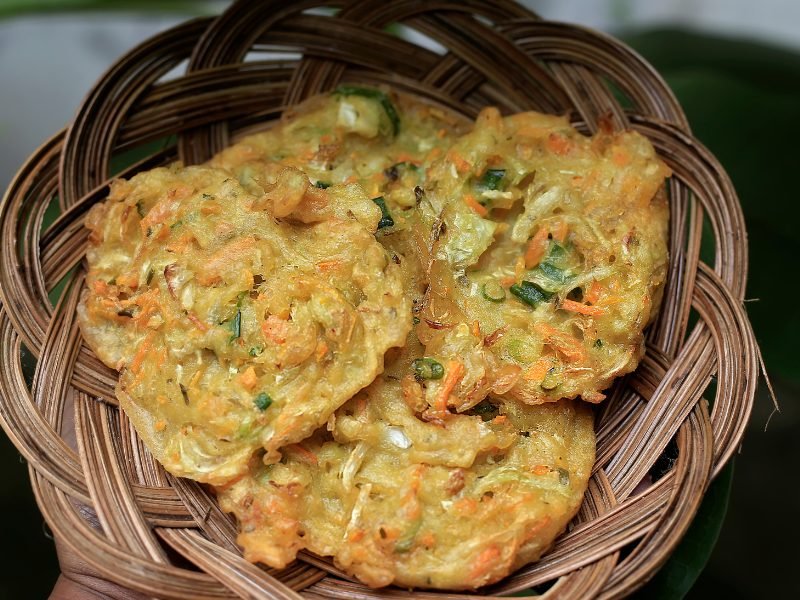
pixel 395 499
pixel 548 256
pixel 349 137
pixel 238 320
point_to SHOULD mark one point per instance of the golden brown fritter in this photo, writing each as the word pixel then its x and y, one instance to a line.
pixel 548 256
pixel 238 320
pixel 395 499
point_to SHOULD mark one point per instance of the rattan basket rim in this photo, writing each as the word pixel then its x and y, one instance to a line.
pixel 109 502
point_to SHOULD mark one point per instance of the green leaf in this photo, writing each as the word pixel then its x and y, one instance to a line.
pixel 15 8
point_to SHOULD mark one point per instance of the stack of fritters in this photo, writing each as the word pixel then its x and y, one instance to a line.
pixel 367 327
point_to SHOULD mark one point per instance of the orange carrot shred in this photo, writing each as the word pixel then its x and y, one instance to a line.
pixel 479 208
pixel 560 231
pixel 582 309
pixel 484 563
pixel 455 371
pixel 536 248
pixel 538 370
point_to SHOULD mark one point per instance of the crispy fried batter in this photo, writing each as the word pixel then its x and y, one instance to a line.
pixel 235 330
pixel 551 247
pixel 395 499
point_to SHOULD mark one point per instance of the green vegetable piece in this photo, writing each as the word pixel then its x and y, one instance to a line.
pixel 563 476
pixel 140 208
pixel 236 326
pixel 552 272
pixel 556 252
pixel 598 343
pixel 323 185
pixel 207 196
pixel 415 320
pixel 491 179
pixel 427 368
pixel 493 291
pixel 388 107
pixel 176 224
pixel 485 410
pixel 405 543
pixel 530 293
pixel 386 216
pixel 551 380
pixel 262 401
pixel 255 350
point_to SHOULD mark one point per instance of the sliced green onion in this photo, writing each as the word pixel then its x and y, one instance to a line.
pixel 530 293
pixel 551 380
pixel 553 273
pixel 388 107
pixel 255 350
pixel 236 326
pixel 493 291
pixel 323 185
pixel 140 208
pixel 386 216
pixel 485 409
pixel 262 401
pixel 491 179
pixel 427 368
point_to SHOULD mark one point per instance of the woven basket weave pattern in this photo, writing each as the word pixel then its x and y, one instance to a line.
pixel 112 504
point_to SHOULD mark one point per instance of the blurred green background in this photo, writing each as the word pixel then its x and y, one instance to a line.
pixel 741 98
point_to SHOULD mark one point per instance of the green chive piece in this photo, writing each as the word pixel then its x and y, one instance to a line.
pixel 236 326
pixel 427 368
pixel 176 224
pixel 207 196
pixel 388 107
pixel 598 343
pixel 255 350
pixel 491 179
pixel 530 293
pixel 485 409
pixel 386 216
pixel 551 380
pixel 493 291
pixel 553 272
pixel 262 401
pixel 415 320
pixel 323 185
pixel 140 208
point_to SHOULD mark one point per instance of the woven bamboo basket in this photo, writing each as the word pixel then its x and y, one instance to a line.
pixel 101 492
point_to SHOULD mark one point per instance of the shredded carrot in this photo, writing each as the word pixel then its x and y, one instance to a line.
pixel 329 265
pixel 592 294
pixel 500 419
pixel 558 144
pixel 146 346
pixel 304 453
pixel 479 208
pixel 540 470
pixel 462 164
pixel 563 342
pixel 193 318
pixel 428 540
pixel 536 248
pixel 582 309
pixel 406 157
pixel 100 287
pixel 441 133
pixel 476 328
pixel 455 371
pixel 508 280
pixel 322 350
pixel 593 397
pixel 161 425
pixel 485 562
pixel 249 378
pixel 559 231
pixel 325 138
pixel 356 535
pixel 465 505
pixel 275 329
pixel 538 370
pixel 351 179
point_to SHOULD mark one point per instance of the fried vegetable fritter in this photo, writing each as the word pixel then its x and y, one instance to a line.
pixel 238 320
pixel 395 499
pixel 548 256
